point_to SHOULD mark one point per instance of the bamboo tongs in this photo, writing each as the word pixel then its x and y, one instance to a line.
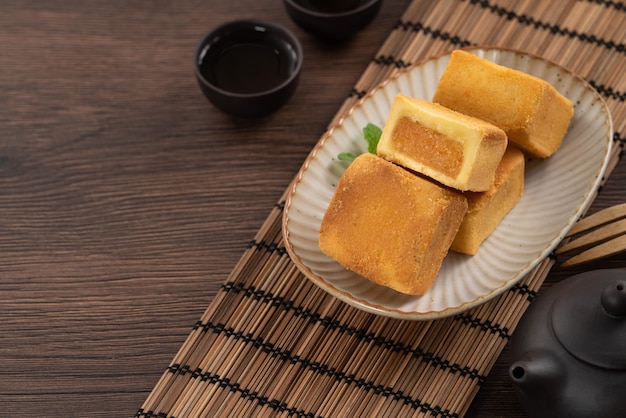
pixel 606 236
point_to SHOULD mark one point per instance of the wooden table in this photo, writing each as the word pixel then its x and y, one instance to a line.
pixel 126 199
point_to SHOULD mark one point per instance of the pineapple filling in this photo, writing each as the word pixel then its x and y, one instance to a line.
pixel 428 146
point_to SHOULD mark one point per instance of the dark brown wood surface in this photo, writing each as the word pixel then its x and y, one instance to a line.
pixel 126 199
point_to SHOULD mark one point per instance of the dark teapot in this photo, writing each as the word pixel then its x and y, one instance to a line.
pixel 568 353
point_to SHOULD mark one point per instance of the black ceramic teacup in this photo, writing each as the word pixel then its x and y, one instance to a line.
pixel 332 19
pixel 248 68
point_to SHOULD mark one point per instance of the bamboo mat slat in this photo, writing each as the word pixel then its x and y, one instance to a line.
pixel 273 344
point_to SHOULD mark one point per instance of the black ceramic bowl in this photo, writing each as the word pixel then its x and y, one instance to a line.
pixel 248 68
pixel 332 19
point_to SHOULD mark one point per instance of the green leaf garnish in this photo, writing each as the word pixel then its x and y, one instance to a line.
pixel 346 156
pixel 372 135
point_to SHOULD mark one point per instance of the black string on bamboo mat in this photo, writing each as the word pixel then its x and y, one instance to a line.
pixel 310 345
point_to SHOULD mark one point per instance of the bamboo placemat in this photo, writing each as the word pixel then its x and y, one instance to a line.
pixel 272 343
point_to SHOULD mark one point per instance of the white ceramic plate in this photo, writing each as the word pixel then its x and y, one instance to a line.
pixel 557 190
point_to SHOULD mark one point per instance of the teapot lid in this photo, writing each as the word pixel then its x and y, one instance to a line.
pixel 589 318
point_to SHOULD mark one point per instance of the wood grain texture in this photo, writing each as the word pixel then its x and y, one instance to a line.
pixel 126 199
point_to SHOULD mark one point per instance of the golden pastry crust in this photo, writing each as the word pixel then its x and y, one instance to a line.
pixel 534 115
pixel 389 225
pixel 486 209
pixel 457 150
